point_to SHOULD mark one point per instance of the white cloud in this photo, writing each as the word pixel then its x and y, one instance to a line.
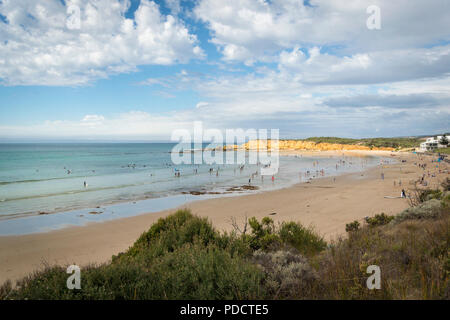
pixel 248 30
pixel 201 104
pixel 38 48
pixel 367 68
pixel 130 125
pixel 329 74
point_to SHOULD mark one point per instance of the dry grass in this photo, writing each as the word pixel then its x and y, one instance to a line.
pixel 413 257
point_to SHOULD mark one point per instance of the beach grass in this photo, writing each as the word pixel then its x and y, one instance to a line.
pixel 183 257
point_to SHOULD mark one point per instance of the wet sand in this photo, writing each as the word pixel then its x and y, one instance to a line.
pixel 325 204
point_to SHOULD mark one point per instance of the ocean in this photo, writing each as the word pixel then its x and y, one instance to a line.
pixel 42 186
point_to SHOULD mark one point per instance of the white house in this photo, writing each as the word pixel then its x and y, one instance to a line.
pixel 431 143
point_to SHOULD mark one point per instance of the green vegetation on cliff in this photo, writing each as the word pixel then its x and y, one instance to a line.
pixel 396 143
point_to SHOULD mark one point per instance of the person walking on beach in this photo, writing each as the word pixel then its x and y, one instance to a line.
pixel 403 194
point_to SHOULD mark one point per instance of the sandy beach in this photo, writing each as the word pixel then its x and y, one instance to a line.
pixel 327 204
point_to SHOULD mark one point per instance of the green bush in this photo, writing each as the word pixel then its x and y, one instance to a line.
pixel 170 233
pixel 379 220
pixel 198 272
pixel 352 226
pixel 183 257
pixel 305 240
pixel 265 235
pixel 430 209
pixel 395 143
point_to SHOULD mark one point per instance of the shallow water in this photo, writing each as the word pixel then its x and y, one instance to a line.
pixel 42 185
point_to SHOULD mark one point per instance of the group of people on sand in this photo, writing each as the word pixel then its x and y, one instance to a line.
pixel 438 167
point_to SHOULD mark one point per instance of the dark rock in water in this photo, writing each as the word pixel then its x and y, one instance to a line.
pixel 43 212
pixel 199 193
pixel 249 187
pixel 243 188
pixel 94 212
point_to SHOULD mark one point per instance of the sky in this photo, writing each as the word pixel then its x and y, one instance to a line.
pixel 131 70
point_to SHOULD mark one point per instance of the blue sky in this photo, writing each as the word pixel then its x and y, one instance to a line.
pixel 137 70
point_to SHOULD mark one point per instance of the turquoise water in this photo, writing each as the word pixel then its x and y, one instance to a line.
pixel 39 179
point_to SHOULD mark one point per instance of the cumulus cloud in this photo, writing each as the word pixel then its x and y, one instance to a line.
pixel 312 68
pixel 38 47
pixel 247 30
pixel 316 67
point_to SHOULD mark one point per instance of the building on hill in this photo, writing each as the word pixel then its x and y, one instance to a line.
pixel 431 144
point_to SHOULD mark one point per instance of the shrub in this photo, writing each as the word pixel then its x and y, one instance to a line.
pixel 305 240
pixel 183 257
pixel 418 196
pixel 430 209
pixel 198 272
pixel 170 233
pixel 288 274
pixel 379 220
pixel 264 235
pixel 412 256
pixel 352 226
pixel 446 184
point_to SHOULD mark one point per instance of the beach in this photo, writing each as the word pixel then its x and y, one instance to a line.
pixel 327 204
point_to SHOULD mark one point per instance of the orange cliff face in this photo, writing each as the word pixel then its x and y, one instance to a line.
pixel 301 145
